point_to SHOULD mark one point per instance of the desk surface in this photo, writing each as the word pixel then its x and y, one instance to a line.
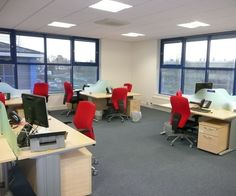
pixel 6 154
pixel 74 140
pixel 105 95
pixel 14 101
pixel 220 114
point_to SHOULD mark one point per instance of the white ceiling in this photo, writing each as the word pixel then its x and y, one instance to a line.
pixel 154 18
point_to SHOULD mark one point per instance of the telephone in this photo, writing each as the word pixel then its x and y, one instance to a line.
pixel 13 118
pixel 23 137
pixel 109 90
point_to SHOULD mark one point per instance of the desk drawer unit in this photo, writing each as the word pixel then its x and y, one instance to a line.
pixel 133 105
pixel 213 136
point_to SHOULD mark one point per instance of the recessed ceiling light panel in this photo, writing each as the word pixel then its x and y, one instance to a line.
pixel 110 6
pixel 193 24
pixel 61 24
pixel 131 34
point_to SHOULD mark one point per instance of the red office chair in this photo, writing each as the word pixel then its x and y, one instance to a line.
pixel 128 86
pixel 119 102
pixel 69 97
pixel 2 98
pixel 41 89
pixel 179 93
pixel 83 121
pixel 179 120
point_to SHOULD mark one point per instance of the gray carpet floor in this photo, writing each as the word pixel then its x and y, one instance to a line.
pixel 135 160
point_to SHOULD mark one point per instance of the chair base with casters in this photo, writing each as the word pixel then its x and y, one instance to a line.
pixel 94 170
pixel 180 136
pixel 122 116
pixel 182 133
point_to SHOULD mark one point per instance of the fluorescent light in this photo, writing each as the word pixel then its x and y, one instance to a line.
pixel 193 24
pixel 131 34
pixel 110 6
pixel 61 24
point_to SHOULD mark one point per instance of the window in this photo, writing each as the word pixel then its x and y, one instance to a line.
pixel 7 74
pixel 222 79
pixel 29 49
pixel 5 47
pixel 171 80
pixel 191 77
pixel 30 74
pixel 57 75
pixel 223 53
pixel 84 75
pixel 58 51
pixel 172 53
pixel 196 53
pixel 85 51
pixel 30 57
pixel 206 58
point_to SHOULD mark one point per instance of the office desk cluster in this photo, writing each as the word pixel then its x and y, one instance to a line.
pixel 216 118
pixel 101 100
pixel 63 171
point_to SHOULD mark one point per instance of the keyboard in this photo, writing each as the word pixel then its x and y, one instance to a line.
pixel 200 110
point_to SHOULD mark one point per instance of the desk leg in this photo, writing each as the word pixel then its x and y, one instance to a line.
pixel 5 175
pixel 48 175
pixel 232 138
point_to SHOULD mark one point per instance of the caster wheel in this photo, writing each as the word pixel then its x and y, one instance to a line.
pixel 95 162
pixel 191 146
pixel 95 172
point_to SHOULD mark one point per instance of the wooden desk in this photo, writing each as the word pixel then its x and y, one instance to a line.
pixel 100 99
pixel 47 165
pixel 14 102
pixel 220 114
pixel 5 151
pixel 6 155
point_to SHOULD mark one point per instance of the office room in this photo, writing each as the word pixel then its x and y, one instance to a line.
pixel 158 57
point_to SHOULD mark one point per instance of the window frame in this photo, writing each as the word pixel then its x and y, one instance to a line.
pixel 13 33
pixel 207 68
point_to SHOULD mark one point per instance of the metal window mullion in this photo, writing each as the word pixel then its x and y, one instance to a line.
pixel 72 60
pixel 45 60
pixel 183 61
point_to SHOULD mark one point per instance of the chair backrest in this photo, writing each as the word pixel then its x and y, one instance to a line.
pixel 119 94
pixel 41 88
pixel 178 93
pixel 83 118
pixel 2 98
pixel 180 105
pixel 128 86
pixel 68 91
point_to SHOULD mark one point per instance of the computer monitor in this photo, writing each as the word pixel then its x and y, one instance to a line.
pixel 35 110
pixel 199 86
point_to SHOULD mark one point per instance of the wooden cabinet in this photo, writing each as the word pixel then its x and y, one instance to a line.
pixel 75 171
pixel 213 136
pixel 76 174
pixel 132 105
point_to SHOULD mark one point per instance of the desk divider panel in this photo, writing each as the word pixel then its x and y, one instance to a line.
pixel 220 98
pixel 6 130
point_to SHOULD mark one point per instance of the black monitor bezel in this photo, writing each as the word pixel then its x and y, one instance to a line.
pixel 37 113
pixel 203 85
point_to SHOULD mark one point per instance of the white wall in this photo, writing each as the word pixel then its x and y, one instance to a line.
pixel 145 68
pixel 115 61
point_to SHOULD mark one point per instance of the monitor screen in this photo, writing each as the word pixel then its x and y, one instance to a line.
pixel 35 110
pixel 199 86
